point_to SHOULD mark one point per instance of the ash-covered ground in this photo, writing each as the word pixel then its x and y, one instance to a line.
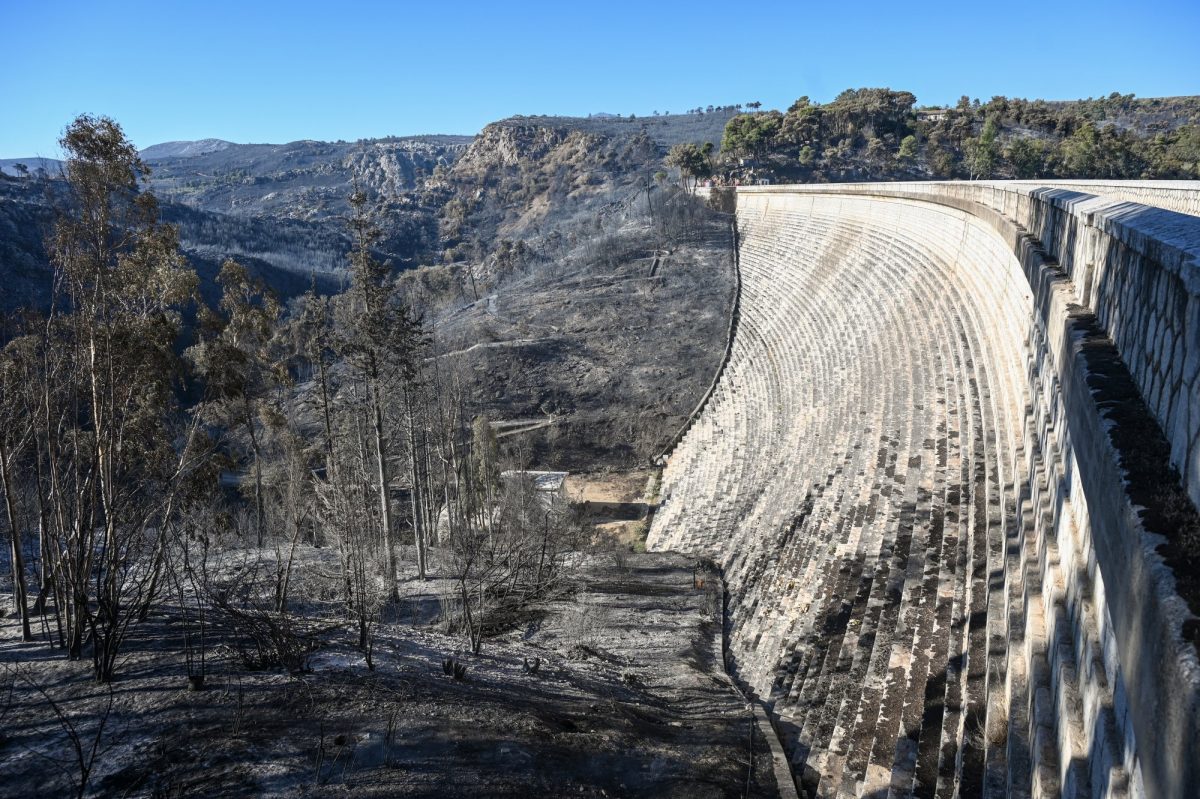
pixel 629 698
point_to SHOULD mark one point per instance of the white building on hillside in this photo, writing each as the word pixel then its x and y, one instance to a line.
pixel 551 485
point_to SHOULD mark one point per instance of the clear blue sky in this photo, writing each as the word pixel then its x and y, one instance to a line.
pixel 278 71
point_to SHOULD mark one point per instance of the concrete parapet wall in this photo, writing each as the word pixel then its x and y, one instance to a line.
pixel 913 471
pixel 1181 196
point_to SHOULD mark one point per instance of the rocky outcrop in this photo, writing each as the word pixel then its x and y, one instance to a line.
pixel 520 173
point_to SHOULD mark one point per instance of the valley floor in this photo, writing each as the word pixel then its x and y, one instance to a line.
pixel 630 699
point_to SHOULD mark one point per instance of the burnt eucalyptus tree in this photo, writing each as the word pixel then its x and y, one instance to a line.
pixel 108 464
pixel 16 436
pixel 242 367
pixel 381 340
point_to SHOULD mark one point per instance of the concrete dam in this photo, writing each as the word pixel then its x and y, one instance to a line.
pixel 950 469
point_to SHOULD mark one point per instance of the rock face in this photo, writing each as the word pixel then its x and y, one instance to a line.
pixel 520 176
pixel 941 470
pixel 302 180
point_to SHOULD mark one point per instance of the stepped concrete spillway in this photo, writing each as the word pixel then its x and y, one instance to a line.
pixel 950 470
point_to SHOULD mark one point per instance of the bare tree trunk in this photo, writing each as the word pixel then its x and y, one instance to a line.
pixel 285 576
pixel 414 479
pixel 20 597
pixel 107 590
pixel 44 551
pixel 259 516
pixel 473 632
pixel 415 501
pixel 385 499
pixel 430 492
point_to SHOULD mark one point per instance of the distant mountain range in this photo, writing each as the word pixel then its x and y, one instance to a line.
pixel 246 179
pixel 280 208
pixel 8 166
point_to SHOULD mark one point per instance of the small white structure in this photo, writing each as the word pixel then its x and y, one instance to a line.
pixel 932 114
pixel 551 497
pixel 551 485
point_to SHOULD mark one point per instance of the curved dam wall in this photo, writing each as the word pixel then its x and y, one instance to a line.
pixel 950 469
